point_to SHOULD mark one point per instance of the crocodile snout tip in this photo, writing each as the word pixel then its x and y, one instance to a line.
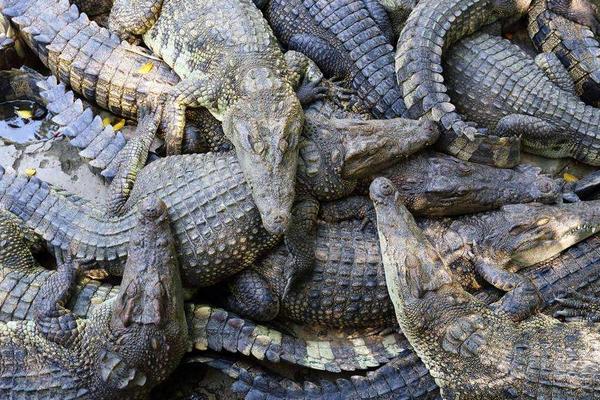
pixel 381 189
pixel 276 224
pixel 152 208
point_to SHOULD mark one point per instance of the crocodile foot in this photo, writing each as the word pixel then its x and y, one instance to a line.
pixel 579 11
pixel 579 306
pixel 311 91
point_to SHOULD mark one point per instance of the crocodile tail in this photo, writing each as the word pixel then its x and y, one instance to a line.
pixel 404 377
pixel 574 44
pixel 371 52
pixel 431 28
pixel 87 57
pixel 216 329
pixel 67 222
pixel 97 143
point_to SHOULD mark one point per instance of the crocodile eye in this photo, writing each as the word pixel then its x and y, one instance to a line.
pixel 283 145
pixel 542 221
pixel 257 145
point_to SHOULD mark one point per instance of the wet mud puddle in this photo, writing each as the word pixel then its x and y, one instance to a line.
pixel 22 121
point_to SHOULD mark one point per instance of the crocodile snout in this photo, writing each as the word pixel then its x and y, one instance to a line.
pixel 276 223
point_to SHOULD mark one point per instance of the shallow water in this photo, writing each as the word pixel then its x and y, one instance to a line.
pixel 24 121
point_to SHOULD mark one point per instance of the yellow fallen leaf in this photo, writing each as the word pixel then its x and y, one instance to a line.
pixel 106 121
pixel 569 177
pixel 119 125
pixel 144 69
pixel 25 114
pixel 30 172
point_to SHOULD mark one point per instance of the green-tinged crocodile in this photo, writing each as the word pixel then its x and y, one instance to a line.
pixel 499 86
pixel 210 328
pixel 431 29
pixel 216 223
pixel 230 64
pixel 574 45
pixel 474 351
pixel 349 39
pixel 347 287
pixel 124 347
pixel 96 65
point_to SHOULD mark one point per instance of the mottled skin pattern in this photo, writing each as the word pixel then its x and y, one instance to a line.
pixel 436 184
pixel 472 350
pixel 582 12
pixel 94 7
pixel 125 347
pixel 432 27
pixel 349 39
pixel 230 63
pixel 21 278
pixel 215 221
pixel 398 11
pixel 347 287
pixel 574 45
pixel 497 85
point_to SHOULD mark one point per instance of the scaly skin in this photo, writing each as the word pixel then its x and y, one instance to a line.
pixel 432 27
pixel 125 347
pixel 574 45
pixel 519 98
pixel 405 376
pixel 21 278
pixel 398 11
pixel 91 60
pixel 230 63
pixel 436 184
pixel 347 286
pixel 349 39
pixel 196 213
pixel 471 350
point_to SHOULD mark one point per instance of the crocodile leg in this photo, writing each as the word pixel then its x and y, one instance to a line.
pixel 349 208
pixel 251 295
pixel 305 77
pixel 578 11
pixel 318 49
pixel 300 239
pixel 193 92
pixel 522 298
pixel 556 72
pixel 132 18
pixel 535 134
pixel 131 160
pixel 53 320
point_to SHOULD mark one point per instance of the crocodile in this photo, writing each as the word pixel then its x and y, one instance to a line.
pixel 471 349
pixel 210 328
pixel 431 29
pixel 96 65
pixel 231 65
pixel 126 345
pixel 574 45
pixel 495 83
pixel 216 223
pixel 347 287
pixel 435 184
pixel 405 376
pixel 348 39
pixel 582 12
pixel 398 12
pixel 11 47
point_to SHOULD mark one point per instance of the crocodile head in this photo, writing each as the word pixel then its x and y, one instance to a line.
pixel 264 126
pixel 521 235
pixel 148 330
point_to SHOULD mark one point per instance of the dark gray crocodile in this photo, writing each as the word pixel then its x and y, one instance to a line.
pixel 125 347
pixel 499 86
pixel 349 39
pixel 347 287
pixel 210 328
pixel 405 376
pixel 470 349
pixel 574 45
pixel 216 223
pixel 230 64
pixel 431 29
